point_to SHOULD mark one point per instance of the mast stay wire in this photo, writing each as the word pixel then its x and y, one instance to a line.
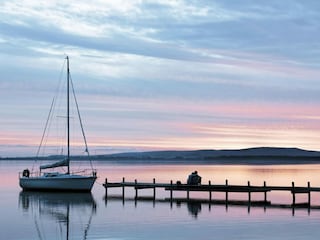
pixel 81 125
pixel 50 114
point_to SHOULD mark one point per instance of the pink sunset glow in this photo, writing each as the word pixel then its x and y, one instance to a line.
pixel 186 125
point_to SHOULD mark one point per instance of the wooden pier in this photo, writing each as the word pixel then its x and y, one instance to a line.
pixel 211 188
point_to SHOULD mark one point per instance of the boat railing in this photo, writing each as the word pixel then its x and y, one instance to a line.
pixel 84 172
pixel 29 174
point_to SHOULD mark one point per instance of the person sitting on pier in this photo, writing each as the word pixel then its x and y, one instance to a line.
pixel 194 179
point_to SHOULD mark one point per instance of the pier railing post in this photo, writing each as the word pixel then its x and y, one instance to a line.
pixel 210 193
pixel 136 188
pixel 154 189
pixel 249 192
pixel 293 195
pixel 171 195
pixel 188 196
pixel 309 195
pixel 227 191
pixel 123 180
pixel 265 191
pixel 106 186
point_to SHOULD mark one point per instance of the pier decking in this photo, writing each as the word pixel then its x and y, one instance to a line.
pixel 211 188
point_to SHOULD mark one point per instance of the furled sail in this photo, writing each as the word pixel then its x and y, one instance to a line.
pixel 62 163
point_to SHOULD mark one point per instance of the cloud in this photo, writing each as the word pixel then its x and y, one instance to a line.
pixel 167 29
pixel 164 66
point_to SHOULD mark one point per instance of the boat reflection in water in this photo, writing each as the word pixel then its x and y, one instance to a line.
pixel 59 215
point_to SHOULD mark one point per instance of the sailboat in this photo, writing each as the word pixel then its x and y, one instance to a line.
pixel 60 181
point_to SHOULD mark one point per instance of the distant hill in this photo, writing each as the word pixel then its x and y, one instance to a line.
pixel 270 155
pixel 259 155
pixel 203 154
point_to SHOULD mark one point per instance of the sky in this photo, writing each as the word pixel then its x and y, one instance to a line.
pixel 163 75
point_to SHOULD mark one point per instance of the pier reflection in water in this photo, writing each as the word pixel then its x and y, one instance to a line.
pixel 59 215
pixel 195 205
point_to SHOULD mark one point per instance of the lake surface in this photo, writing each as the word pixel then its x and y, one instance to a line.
pixel 31 215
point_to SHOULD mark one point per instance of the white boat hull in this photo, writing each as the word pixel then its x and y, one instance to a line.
pixel 65 182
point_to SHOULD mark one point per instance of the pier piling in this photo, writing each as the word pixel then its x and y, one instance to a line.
pixel 249 193
pixel 265 192
pixel 226 190
pixel 309 194
pixel 123 180
pixel 154 189
pixel 210 193
pixel 293 195
pixel 136 187
pixel 171 192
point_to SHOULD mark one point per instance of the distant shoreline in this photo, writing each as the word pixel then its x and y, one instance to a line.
pixel 262 160
pixel 250 156
pixel 218 161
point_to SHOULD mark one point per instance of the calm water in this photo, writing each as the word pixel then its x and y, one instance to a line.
pixel 26 215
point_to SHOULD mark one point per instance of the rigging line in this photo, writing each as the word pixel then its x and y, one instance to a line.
pixel 46 126
pixel 44 133
pixel 82 130
pixel 60 230
pixel 89 223
pixel 79 116
pixel 99 183
pixel 38 229
pixel 53 103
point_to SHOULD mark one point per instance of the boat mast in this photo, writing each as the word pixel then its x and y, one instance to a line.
pixel 68 115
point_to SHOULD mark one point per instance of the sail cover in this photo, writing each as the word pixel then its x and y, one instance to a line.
pixel 62 163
